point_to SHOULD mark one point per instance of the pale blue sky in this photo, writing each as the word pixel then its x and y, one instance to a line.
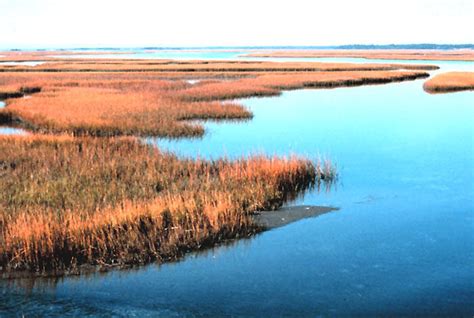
pixel 66 23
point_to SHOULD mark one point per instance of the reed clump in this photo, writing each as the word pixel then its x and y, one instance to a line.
pixel 450 82
pixel 66 201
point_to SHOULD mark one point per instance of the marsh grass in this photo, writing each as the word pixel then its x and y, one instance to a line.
pixel 450 82
pixel 69 201
pixel 104 106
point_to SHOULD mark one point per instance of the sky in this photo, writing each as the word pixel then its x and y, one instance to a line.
pixel 138 23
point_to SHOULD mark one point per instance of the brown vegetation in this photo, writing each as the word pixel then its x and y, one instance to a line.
pixel 450 82
pixel 107 105
pixel 71 201
pixel 433 55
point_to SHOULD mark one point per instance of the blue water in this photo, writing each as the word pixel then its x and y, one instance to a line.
pixel 402 242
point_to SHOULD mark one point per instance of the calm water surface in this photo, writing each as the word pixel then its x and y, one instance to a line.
pixel 401 243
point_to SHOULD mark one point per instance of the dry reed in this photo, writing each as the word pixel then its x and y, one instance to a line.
pixel 450 82
pixel 69 201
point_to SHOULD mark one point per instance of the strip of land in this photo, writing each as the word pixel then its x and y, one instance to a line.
pixel 450 82
pixel 432 55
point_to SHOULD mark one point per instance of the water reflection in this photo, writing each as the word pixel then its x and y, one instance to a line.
pixel 28 284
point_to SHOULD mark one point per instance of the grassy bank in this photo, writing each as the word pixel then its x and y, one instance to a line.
pixel 450 82
pixel 72 201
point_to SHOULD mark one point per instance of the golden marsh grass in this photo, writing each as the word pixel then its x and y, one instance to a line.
pixel 69 201
pixel 450 82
